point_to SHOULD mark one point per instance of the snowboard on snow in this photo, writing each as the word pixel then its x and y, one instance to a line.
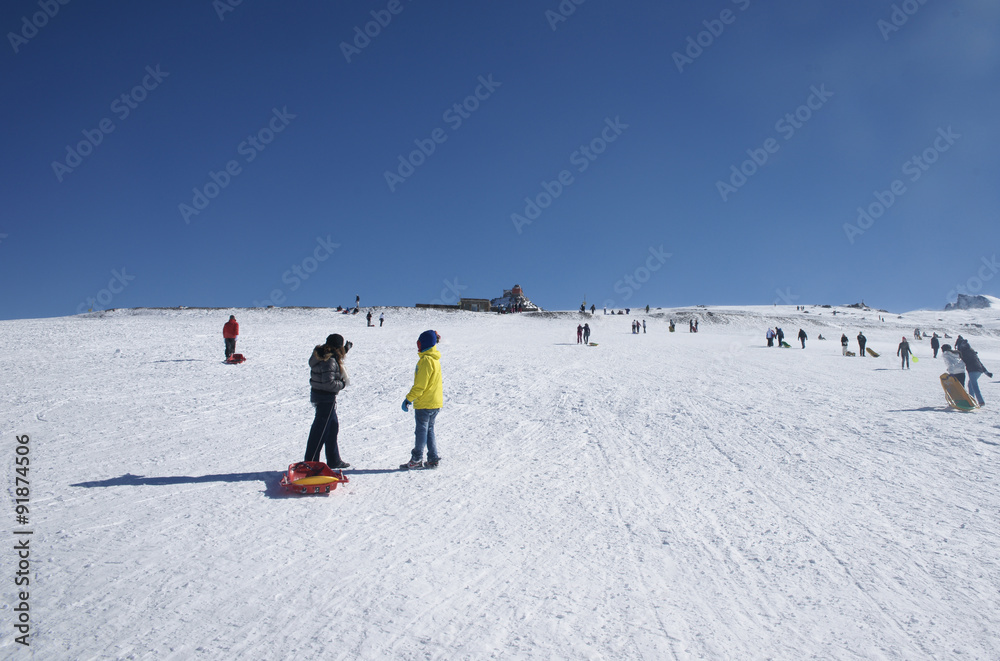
pixel 956 394
pixel 871 353
pixel 785 345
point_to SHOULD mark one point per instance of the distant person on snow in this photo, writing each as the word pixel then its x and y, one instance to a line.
pixel 381 319
pixel 974 367
pixel 327 378
pixel 770 337
pixel 953 364
pixel 644 324
pixel 780 334
pixel 843 344
pixel 862 340
pixel 904 353
pixel 579 334
pixel 427 397
pixel 935 344
pixel 369 317
pixel 802 338
pixel 593 309
pixel 230 331
pixel 586 333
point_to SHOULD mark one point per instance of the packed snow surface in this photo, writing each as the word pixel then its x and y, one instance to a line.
pixel 658 496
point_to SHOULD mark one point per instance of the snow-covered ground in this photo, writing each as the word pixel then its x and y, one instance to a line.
pixel 660 496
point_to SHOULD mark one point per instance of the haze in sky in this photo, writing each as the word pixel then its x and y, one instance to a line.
pixel 732 152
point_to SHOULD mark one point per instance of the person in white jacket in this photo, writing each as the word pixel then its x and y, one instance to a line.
pixel 953 363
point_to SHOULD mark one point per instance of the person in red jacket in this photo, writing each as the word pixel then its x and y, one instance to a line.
pixel 230 331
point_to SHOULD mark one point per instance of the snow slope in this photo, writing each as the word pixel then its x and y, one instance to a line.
pixel 661 496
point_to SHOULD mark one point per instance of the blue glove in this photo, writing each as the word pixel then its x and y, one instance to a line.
pixel 406 404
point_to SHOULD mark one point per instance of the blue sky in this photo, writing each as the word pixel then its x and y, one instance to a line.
pixel 628 122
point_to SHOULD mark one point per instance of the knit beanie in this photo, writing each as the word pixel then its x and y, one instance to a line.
pixel 335 341
pixel 427 339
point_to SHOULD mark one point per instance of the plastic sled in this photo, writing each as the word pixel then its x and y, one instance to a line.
pixel 956 395
pixel 235 359
pixel 871 353
pixel 311 477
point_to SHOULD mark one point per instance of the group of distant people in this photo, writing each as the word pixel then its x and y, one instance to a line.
pixel 583 334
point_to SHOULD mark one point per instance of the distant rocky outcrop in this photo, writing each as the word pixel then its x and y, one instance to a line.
pixel 966 302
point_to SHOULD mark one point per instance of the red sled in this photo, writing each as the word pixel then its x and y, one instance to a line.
pixel 235 359
pixel 312 477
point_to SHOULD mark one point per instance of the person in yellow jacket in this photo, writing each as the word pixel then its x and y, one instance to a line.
pixel 427 397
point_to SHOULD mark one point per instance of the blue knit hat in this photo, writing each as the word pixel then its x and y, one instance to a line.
pixel 427 339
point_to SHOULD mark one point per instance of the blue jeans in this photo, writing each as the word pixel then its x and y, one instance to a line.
pixel 974 387
pixel 425 435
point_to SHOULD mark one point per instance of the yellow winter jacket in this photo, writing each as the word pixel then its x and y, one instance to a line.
pixel 427 391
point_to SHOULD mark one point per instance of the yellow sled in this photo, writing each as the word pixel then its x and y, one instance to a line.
pixel 956 394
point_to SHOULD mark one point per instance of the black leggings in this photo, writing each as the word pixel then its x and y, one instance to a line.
pixel 324 431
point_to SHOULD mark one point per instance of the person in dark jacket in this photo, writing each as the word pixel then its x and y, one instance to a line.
pixel 230 331
pixel 586 333
pixel 802 338
pixel 904 353
pixel 935 344
pixel 862 340
pixel 327 378
pixel 843 344
pixel 780 334
pixel 973 366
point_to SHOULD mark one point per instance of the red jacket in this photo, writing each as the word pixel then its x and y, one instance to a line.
pixel 231 329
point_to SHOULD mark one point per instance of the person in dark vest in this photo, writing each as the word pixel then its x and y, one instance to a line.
pixel 327 377
pixel 862 341
pixel 973 366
